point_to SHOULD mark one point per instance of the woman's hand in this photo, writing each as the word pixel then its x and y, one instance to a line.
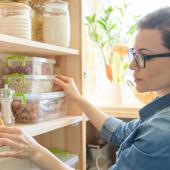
pixel 21 145
pixel 69 87
pixel 24 146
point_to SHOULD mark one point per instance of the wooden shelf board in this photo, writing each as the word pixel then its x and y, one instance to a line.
pixel 14 45
pixel 47 126
pixel 129 112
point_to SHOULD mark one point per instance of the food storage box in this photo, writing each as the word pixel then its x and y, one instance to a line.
pixel 28 65
pixel 66 157
pixel 32 108
pixel 29 83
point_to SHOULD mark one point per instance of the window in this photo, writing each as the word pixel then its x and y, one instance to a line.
pixel 96 88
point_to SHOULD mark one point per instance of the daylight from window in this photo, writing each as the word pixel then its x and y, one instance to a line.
pixel 101 75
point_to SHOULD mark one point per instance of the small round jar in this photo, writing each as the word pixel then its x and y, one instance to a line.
pixel 56 23
pixel 15 19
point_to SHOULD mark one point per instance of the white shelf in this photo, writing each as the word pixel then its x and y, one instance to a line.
pixel 47 126
pixel 14 45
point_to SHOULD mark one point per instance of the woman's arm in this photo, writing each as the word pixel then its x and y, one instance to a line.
pixel 24 146
pixel 96 116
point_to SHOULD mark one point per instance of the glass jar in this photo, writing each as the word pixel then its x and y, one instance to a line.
pixel 37 21
pixel 56 23
pixel 15 19
pixel 22 1
pixel 6 98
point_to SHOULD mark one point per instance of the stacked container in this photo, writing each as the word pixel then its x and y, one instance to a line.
pixel 37 108
pixel 32 79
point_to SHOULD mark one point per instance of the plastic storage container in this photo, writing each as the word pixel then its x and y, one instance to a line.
pixel 29 83
pixel 37 108
pixel 56 23
pixel 28 65
pixel 15 19
pixel 68 158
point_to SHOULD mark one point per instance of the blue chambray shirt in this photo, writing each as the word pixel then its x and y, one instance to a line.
pixel 144 142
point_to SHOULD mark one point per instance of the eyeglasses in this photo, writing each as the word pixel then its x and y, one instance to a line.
pixel 140 59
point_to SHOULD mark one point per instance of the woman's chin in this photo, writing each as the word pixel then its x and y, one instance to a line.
pixel 140 90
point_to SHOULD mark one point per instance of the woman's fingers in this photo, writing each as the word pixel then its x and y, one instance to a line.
pixel 10 130
pixel 12 137
pixel 60 83
pixel 10 153
pixel 10 143
pixel 63 78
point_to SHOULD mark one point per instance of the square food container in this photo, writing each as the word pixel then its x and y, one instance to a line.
pixel 37 108
pixel 29 83
pixel 27 65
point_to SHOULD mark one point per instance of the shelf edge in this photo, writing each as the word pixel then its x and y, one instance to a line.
pixel 38 47
pixel 47 126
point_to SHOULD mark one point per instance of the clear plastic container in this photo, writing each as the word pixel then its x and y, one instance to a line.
pixel 29 83
pixel 15 19
pixel 68 158
pixel 28 65
pixel 37 108
pixel 56 23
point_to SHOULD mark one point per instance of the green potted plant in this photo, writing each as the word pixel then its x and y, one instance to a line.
pixel 112 33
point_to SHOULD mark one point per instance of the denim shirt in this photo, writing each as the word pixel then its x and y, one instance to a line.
pixel 144 142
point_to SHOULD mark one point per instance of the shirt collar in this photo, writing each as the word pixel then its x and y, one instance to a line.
pixel 156 105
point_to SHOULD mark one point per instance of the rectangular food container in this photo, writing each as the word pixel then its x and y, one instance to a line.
pixel 66 157
pixel 29 83
pixel 27 65
pixel 37 108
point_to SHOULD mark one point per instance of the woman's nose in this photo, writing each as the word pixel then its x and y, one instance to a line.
pixel 133 65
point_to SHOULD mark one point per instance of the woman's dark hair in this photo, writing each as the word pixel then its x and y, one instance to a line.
pixel 159 20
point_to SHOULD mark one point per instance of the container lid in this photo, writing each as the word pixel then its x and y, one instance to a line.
pixel 17 76
pixel 54 6
pixel 14 5
pixel 66 157
pixel 41 60
pixel 33 59
pixel 52 95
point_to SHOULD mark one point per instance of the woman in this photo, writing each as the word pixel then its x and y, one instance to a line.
pixel 144 142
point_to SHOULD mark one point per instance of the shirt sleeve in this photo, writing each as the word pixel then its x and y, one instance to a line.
pixel 149 150
pixel 115 130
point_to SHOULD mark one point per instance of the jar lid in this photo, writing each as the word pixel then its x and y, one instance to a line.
pixel 32 96
pixel 54 5
pixel 14 5
pixel 22 1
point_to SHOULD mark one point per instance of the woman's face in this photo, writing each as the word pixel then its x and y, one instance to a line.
pixel 156 74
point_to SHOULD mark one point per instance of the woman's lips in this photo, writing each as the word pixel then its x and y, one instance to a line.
pixel 137 80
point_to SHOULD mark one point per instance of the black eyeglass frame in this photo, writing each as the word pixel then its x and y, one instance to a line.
pixel 146 57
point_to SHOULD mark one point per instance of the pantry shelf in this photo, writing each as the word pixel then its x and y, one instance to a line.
pixel 47 126
pixel 125 112
pixel 14 45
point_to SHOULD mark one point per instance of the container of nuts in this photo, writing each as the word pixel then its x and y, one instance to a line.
pixel 37 108
pixel 29 83
pixel 28 65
